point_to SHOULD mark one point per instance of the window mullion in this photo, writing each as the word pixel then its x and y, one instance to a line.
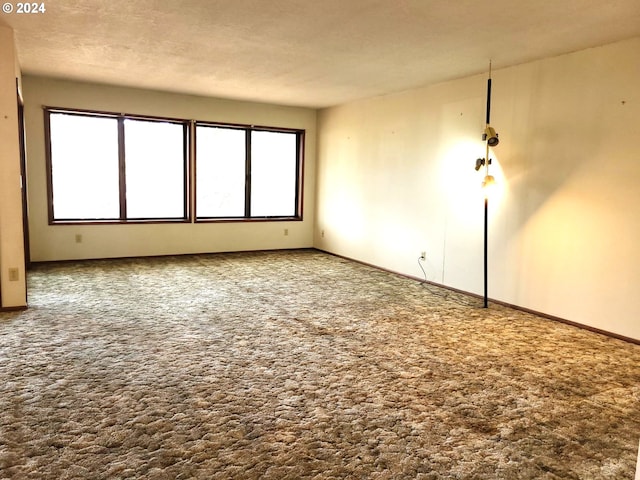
pixel 247 163
pixel 121 169
pixel 189 150
pixel 47 141
pixel 299 160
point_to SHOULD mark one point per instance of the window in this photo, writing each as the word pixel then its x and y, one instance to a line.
pixel 84 166
pixel 273 174
pixel 220 172
pixel 154 169
pixel 116 168
pixel 247 172
pixel 107 167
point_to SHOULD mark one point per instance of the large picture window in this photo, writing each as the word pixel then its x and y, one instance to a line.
pixel 247 172
pixel 220 172
pixel 108 167
pixel 105 167
pixel 84 167
pixel 273 173
pixel 154 169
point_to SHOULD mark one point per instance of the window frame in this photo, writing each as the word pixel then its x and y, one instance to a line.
pixel 120 118
pixel 247 217
pixel 189 165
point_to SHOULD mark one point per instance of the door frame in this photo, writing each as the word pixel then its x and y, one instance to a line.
pixel 23 179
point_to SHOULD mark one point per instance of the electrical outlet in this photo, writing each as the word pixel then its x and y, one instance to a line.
pixel 322 233
pixel 423 256
pixel 286 232
pixel 78 238
pixel 14 274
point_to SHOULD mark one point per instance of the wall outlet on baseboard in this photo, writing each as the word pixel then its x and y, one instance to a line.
pixel 423 255
pixel 286 232
pixel 78 238
pixel 14 274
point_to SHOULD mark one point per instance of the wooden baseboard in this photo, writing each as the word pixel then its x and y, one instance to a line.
pixel 163 255
pixel 499 302
pixel 13 309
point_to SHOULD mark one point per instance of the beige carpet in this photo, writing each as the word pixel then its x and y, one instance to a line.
pixel 300 365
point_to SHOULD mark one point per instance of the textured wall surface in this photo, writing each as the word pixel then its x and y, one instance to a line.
pixel 396 178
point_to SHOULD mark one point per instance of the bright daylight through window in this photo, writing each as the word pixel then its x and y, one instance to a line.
pixel 246 172
pixel 108 167
pixel 220 172
pixel 155 169
pixel 273 174
pixel 84 167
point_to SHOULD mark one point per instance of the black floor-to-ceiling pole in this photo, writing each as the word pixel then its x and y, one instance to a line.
pixel 486 198
pixel 486 229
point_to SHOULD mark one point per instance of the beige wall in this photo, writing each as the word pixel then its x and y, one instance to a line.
pixel 396 177
pixel 57 242
pixel 11 237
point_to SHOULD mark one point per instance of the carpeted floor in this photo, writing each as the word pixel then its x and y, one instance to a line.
pixel 300 365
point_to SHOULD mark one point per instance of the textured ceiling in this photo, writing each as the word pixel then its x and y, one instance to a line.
pixel 312 53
